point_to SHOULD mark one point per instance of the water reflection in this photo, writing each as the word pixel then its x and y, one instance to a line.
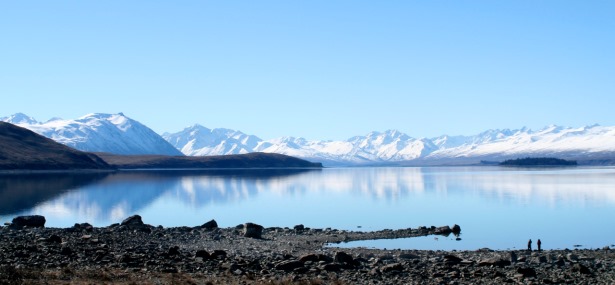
pixel 482 200
pixel 20 192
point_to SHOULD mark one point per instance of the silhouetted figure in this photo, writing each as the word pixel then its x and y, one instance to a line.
pixel 529 245
pixel 538 243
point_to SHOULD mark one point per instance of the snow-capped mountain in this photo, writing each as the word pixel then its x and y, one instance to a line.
pixel 116 133
pixel 393 146
pixel 112 133
pixel 199 141
pixel 19 119
pixel 551 140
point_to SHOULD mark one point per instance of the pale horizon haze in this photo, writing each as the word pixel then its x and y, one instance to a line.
pixel 314 69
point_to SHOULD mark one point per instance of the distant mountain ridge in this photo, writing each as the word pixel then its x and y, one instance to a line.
pixel 119 134
pixel 393 147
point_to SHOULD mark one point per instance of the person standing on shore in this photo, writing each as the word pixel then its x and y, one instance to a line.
pixel 538 243
pixel 529 245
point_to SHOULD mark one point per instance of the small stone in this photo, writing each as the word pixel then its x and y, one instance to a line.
pixel 174 250
pixel 526 272
pixel 409 256
pixel 332 267
pixel 66 251
pixel 309 257
pixel 581 269
pixel 289 265
pixel 54 239
pixel 218 253
pixel 392 267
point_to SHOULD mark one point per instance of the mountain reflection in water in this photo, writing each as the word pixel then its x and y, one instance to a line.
pixel 482 200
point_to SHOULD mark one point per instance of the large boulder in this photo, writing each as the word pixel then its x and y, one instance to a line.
pixel 135 223
pixel 134 220
pixel 34 221
pixel 342 257
pixel 252 230
pixel 210 225
pixel 456 229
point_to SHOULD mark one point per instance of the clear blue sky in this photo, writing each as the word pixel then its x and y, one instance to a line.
pixel 315 69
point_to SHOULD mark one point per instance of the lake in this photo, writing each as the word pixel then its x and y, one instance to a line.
pixel 496 207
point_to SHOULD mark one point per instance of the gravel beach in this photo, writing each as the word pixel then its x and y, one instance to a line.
pixel 133 252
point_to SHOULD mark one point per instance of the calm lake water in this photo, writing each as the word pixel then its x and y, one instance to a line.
pixel 499 208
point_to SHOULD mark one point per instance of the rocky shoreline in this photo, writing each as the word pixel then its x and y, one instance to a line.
pixel 133 252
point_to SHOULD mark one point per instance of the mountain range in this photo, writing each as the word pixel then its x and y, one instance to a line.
pixel 118 134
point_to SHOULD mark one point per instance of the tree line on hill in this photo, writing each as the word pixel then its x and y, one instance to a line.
pixel 538 161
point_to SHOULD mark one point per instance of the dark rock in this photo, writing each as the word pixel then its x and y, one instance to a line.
pixel 299 228
pixel 325 258
pixel 309 257
pixel 456 229
pixel 409 256
pixel 210 225
pixel 301 270
pixel 202 254
pixel 134 220
pixel 54 239
pixel 446 230
pixel 289 265
pixel 174 250
pixel 494 262
pixel 252 230
pixel 560 262
pixel 392 267
pixel 513 257
pixel 452 260
pixel 526 272
pixel 581 269
pixel 332 267
pixel 66 251
pixel 343 257
pixel 540 259
pixel 34 221
pixel 218 253
pixel 83 226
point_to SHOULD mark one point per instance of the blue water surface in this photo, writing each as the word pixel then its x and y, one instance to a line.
pixel 498 208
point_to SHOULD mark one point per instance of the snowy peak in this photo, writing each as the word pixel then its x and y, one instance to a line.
pixel 198 141
pixel 112 133
pixel 19 119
